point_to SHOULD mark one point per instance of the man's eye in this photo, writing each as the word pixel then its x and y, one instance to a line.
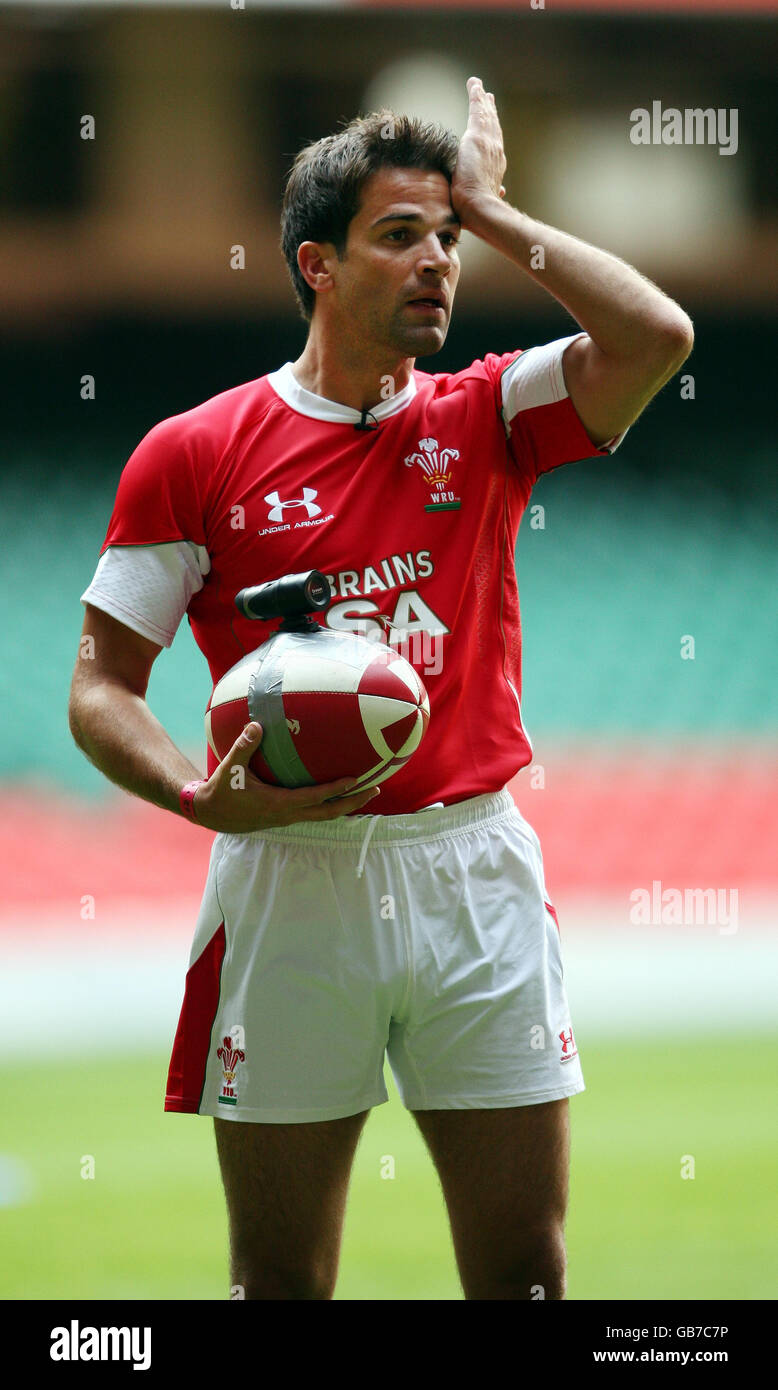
pixel 446 238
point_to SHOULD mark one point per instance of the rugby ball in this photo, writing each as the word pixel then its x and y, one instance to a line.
pixel 330 704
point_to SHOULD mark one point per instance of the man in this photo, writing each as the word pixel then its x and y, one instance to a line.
pixel 424 929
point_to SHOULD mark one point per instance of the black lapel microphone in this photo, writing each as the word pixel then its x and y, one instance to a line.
pixel 363 424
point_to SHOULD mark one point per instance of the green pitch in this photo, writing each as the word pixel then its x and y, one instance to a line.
pixel 151 1223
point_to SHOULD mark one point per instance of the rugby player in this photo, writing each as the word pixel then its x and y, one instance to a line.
pixel 332 935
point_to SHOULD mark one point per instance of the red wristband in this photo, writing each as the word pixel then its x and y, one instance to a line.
pixel 187 798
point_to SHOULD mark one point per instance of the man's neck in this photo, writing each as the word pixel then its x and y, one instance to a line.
pixel 360 384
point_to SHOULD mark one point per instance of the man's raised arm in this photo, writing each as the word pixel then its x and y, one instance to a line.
pixel 637 336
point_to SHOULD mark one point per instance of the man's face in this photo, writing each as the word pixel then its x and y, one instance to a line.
pixel 395 286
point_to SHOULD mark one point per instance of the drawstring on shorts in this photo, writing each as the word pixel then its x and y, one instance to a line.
pixel 373 820
pixel 371 827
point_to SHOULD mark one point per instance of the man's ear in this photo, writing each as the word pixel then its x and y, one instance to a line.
pixel 315 259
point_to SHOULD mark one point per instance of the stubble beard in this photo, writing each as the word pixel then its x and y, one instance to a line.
pixel 409 340
pixel 394 338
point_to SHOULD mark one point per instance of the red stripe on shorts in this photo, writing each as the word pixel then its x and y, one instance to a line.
pixel 189 1059
pixel 552 910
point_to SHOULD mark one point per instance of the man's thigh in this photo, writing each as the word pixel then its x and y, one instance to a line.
pixel 286 1188
pixel 504 1175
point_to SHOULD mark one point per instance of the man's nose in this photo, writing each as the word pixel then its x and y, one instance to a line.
pixel 434 257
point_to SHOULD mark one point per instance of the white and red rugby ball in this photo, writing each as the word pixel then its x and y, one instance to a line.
pixel 331 705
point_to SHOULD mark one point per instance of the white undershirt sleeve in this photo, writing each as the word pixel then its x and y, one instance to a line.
pixel 149 587
pixel 536 378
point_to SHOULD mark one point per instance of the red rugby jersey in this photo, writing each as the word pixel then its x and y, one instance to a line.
pixel 416 519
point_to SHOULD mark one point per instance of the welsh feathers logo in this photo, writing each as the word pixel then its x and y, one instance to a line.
pixel 229 1056
pixel 435 464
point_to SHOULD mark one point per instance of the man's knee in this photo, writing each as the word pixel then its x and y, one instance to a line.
pixel 268 1279
pixel 534 1268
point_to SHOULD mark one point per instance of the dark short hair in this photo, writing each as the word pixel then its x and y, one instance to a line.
pixel 324 184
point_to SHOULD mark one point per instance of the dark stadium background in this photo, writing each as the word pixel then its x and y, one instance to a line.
pixel 114 262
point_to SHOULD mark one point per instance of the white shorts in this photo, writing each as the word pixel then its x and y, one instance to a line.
pixel 322 946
